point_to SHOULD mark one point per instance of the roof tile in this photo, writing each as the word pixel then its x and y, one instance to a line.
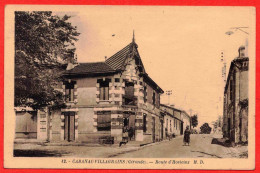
pixel 95 67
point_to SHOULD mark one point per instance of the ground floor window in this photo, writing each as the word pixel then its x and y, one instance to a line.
pixel 104 121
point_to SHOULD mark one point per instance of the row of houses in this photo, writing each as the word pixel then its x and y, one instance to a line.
pixel 103 99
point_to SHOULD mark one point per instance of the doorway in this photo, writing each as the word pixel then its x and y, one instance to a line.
pixel 161 129
pixel 69 126
pixel 153 128
pixel 181 128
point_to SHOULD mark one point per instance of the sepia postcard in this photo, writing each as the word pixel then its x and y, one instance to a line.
pixel 129 87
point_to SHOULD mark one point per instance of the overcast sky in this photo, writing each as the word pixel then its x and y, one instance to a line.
pixel 180 46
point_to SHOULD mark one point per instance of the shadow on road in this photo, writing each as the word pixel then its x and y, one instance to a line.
pixel 37 153
pixel 213 155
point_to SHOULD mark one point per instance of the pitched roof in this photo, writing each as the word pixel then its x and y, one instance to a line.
pixel 90 68
pixel 117 60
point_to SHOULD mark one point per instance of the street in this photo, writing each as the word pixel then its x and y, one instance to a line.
pixel 200 147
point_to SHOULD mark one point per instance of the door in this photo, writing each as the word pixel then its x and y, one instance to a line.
pixel 161 129
pixel 153 128
pixel 69 129
pixel 181 128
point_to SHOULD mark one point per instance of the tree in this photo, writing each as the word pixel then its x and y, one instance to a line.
pixel 43 43
pixel 205 128
pixel 194 121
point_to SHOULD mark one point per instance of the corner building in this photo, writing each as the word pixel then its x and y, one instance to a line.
pixel 104 98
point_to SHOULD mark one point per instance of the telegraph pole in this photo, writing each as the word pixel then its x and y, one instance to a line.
pixel 169 93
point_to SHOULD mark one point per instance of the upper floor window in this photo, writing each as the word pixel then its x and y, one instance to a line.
pixel 145 94
pixel 129 98
pixel 117 79
pixel 154 98
pixel 231 89
pixel 104 89
pixel 69 91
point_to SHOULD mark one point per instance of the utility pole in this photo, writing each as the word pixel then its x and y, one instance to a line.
pixel 169 93
pixel 224 66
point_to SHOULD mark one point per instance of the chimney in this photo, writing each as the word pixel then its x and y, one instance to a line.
pixel 70 61
pixel 105 58
pixel 241 51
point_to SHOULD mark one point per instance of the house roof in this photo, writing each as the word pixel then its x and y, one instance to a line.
pixel 116 63
pixel 117 60
pixel 170 107
pixel 90 68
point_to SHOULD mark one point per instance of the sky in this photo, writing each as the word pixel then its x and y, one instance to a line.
pixel 180 47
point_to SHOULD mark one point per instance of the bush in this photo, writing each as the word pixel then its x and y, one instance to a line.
pixel 205 129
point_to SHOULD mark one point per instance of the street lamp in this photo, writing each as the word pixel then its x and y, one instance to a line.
pixel 242 29
pixel 237 28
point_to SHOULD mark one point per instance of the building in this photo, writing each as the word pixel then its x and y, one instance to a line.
pixel 103 99
pixel 175 120
pixel 235 119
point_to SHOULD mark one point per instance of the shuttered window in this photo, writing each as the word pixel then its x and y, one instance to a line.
pixel 104 121
pixel 69 90
pixel 104 90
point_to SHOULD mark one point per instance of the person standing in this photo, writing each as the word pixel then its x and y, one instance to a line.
pixel 186 138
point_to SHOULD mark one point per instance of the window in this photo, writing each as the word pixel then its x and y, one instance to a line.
pixel 69 91
pixel 117 79
pixel 129 98
pixel 167 124
pixel 170 125
pixel 144 123
pixel 145 94
pixel 159 101
pixel 231 90
pixel 104 121
pixel 104 90
pixel 154 98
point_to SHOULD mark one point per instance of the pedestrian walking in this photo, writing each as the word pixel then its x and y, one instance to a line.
pixel 186 138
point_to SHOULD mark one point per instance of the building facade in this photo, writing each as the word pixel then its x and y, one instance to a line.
pixel 175 120
pixel 105 100
pixel 235 119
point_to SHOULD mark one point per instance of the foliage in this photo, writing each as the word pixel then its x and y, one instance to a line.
pixel 43 43
pixel 194 121
pixel 205 129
